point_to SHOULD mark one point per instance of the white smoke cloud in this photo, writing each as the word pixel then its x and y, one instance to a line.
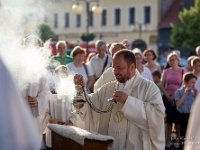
pixel 17 19
pixel 26 64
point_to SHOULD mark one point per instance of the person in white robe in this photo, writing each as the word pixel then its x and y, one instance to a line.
pixel 37 98
pixel 18 130
pixel 136 121
pixel 108 74
pixel 192 139
pixel 36 93
pixel 59 105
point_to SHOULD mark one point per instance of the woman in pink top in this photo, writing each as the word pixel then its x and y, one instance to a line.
pixel 171 80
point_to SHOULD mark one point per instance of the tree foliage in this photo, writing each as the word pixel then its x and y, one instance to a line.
pixel 45 32
pixel 87 37
pixel 187 32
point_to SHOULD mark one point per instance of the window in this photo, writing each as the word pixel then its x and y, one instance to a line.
pixel 131 15
pixel 90 18
pixel 66 20
pixel 147 14
pixel 78 20
pixel 117 16
pixel 104 18
pixel 55 20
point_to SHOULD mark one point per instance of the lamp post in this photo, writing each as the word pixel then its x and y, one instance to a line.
pixel 140 25
pixel 97 10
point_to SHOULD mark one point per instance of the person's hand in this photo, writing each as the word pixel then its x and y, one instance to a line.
pixel 53 121
pixel 195 91
pixel 120 96
pixel 187 90
pixel 69 124
pixel 78 79
pixel 165 120
pixel 32 101
pixel 171 98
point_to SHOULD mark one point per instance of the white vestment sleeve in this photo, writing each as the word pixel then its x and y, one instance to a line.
pixel 135 110
pixel 193 131
pixel 18 129
pixel 148 115
pixel 42 97
pixel 106 77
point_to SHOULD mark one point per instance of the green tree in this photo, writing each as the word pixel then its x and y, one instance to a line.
pixel 87 37
pixel 45 32
pixel 186 33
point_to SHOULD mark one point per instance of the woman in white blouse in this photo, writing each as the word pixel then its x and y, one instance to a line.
pixel 149 56
pixel 144 71
pixel 79 67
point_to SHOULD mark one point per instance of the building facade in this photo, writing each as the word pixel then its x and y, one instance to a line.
pixel 134 20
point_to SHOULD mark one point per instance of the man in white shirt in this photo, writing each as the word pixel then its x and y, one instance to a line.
pixel 136 120
pixel 101 61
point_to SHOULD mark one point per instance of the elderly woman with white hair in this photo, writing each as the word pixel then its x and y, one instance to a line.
pixel 144 71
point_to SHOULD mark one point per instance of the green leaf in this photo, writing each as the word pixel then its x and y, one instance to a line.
pixel 187 32
pixel 87 37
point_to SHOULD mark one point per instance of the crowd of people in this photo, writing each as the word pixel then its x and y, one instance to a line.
pixel 147 97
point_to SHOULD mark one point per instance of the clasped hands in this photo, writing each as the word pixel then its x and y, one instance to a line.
pixel 32 101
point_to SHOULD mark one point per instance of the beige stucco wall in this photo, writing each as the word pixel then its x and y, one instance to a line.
pixel 110 32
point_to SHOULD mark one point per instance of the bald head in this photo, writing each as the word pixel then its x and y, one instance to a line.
pixel 126 43
pixel 115 47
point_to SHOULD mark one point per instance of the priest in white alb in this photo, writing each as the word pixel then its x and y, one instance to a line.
pixel 136 120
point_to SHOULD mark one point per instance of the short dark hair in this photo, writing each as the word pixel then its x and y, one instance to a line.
pixel 129 57
pixel 157 73
pixel 77 50
pixel 187 76
pixel 152 51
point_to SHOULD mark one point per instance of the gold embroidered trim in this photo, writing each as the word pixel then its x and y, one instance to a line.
pixel 118 116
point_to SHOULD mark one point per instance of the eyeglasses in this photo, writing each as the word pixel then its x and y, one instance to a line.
pixel 172 60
